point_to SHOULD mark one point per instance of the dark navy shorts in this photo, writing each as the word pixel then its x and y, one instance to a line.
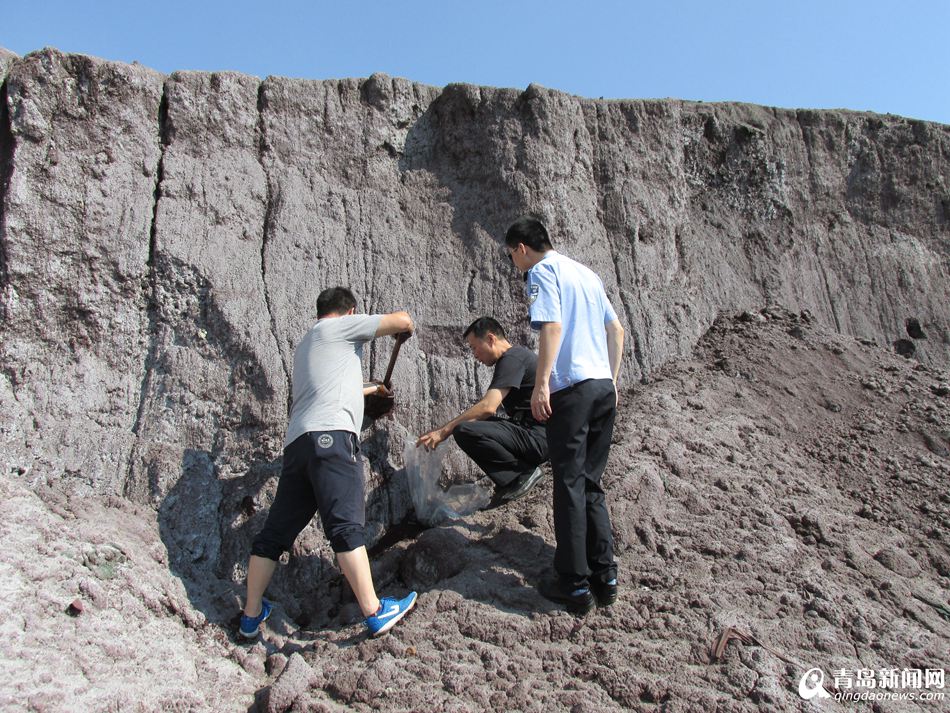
pixel 322 472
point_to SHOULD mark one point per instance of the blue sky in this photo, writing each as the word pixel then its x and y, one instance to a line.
pixel 888 57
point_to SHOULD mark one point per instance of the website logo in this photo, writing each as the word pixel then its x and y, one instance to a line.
pixel 868 685
pixel 812 684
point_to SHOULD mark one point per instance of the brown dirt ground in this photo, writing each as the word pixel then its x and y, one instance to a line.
pixel 785 481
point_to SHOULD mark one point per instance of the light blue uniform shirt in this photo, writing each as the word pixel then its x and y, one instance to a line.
pixel 562 290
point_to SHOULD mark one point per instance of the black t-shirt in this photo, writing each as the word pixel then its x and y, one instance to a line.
pixel 515 371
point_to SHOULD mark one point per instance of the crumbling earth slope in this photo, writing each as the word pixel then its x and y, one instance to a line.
pixel 783 480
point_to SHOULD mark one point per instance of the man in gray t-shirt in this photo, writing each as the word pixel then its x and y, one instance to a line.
pixel 322 469
pixel 328 376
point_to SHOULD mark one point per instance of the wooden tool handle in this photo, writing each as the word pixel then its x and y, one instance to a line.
pixel 400 338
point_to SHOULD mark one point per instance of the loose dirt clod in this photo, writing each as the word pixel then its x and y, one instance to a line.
pixel 75 607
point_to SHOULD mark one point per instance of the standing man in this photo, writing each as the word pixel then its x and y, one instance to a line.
pixel 575 394
pixel 322 470
pixel 509 450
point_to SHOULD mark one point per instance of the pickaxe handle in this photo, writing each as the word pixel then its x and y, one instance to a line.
pixel 400 338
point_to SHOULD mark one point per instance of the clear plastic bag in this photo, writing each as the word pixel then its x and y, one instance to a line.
pixel 432 503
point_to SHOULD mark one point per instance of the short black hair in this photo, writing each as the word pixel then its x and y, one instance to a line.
pixel 335 300
pixel 530 231
pixel 482 326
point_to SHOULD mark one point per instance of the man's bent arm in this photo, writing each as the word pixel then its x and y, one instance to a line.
pixel 479 411
pixel 394 323
pixel 614 347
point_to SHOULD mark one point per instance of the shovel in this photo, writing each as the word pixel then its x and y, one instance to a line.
pixel 379 405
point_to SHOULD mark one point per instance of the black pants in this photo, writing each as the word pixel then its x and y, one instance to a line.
pixel 502 448
pixel 579 433
pixel 323 472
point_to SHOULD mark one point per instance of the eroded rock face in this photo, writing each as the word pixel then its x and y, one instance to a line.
pixel 166 238
pixel 163 241
pixel 81 160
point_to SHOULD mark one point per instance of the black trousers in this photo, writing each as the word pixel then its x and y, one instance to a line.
pixel 322 472
pixel 579 433
pixel 502 448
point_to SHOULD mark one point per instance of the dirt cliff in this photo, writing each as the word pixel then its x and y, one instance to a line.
pixel 162 243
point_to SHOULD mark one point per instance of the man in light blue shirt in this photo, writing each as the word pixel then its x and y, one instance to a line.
pixel 574 394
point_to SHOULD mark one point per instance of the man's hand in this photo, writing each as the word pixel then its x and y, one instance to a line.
pixel 432 439
pixel 541 402
pixel 376 388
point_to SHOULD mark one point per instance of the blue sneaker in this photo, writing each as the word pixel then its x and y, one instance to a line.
pixel 390 611
pixel 251 625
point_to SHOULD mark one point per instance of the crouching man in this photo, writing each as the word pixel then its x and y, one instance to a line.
pixel 509 450
pixel 322 467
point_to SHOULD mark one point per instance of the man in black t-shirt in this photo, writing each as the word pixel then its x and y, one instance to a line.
pixel 509 450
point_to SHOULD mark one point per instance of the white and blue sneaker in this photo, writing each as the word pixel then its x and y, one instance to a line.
pixel 390 611
pixel 251 625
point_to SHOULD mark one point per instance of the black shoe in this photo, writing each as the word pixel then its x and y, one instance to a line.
pixel 520 486
pixel 576 600
pixel 604 592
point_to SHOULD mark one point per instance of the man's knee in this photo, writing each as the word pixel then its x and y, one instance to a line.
pixel 268 544
pixel 344 538
pixel 467 435
pixel 465 430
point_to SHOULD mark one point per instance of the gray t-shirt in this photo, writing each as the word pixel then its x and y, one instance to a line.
pixel 328 376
